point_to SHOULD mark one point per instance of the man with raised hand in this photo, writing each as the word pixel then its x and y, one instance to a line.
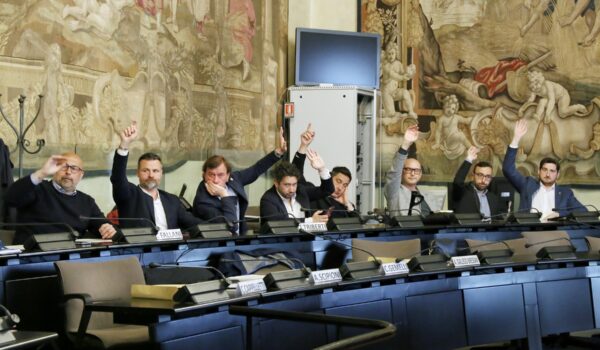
pixel 541 194
pixel 221 197
pixel 56 201
pixel 289 199
pixel 475 196
pixel 145 201
pixel 403 177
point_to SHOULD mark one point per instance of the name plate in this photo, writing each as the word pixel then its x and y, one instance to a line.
pixel 465 261
pixel 399 268
pixel 169 235
pixel 313 226
pixel 325 276
pixel 250 287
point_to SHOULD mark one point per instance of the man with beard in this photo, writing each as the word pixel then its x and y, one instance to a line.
pixel 145 201
pixel 475 196
pixel 542 194
pixel 288 199
pixel 56 201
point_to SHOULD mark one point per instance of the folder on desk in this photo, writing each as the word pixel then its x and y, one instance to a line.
pixel 156 291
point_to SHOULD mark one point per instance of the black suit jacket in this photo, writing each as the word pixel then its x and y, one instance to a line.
pixel 217 209
pixel 132 202
pixel 272 207
pixel 464 195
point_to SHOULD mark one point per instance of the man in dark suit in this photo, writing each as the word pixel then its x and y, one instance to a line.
pixel 221 197
pixel 542 194
pixel 145 201
pixel 475 196
pixel 288 199
pixel 338 201
pixel 56 201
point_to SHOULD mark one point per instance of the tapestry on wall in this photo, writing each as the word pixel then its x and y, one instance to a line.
pixel 198 76
pixel 466 71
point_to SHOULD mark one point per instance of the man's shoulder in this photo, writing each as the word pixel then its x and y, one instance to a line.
pixel 270 193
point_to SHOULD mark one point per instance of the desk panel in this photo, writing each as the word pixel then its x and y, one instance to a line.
pixel 565 306
pixel 495 314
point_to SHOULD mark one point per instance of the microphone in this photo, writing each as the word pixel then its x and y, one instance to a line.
pixel 229 223
pixel 271 259
pixel 528 245
pixel 154 265
pixel 570 208
pixel 414 196
pixel 145 220
pixel 506 215
pixel 412 255
pixel 377 261
pixel 63 224
pixel 470 249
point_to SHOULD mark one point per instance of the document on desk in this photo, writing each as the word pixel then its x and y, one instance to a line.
pixel 156 291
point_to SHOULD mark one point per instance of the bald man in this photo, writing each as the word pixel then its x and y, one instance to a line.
pixel 403 177
pixel 56 200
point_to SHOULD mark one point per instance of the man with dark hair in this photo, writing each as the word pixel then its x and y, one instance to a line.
pixel 402 179
pixel 145 201
pixel 542 194
pixel 56 201
pixel 475 196
pixel 338 201
pixel 221 197
pixel 288 199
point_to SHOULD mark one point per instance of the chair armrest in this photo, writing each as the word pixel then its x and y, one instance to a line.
pixel 86 298
pixel 85 314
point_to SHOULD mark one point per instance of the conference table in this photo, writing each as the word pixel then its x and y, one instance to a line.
pixel 445 309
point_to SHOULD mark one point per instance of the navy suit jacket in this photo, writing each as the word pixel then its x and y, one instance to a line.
pixel 564 199
pixel 217 209
pixel 132 202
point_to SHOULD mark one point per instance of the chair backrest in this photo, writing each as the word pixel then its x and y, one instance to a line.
pixel 106 280
pixel 540 239
pixel 7 236
pixel 385 249
pixel 516 245
pixel 593 244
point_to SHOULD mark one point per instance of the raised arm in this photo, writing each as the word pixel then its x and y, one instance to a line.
pixel 122 188
pixel 508 165
pixel 393 178
pixel 249 175
pixel 21 193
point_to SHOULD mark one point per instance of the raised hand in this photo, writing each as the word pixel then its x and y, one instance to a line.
pixel 472 154
pixel 316 162
pixel 128 135
pixel 51 166
pixel 282 148
pixel 410 136
pixel 306 138
pixel 519 132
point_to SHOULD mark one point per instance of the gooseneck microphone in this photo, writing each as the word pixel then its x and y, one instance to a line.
pixel 154 265
pixel 412 255
pixel 529 245
pixel 144 220
pixel 415 199
pixel 377 261
pixel 470 248
pixel 24 224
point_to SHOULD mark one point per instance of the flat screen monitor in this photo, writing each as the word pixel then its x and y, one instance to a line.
pixel 337 57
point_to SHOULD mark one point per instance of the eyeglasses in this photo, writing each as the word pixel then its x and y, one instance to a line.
pixel 415 171
pixel 74 168
pixel 483 176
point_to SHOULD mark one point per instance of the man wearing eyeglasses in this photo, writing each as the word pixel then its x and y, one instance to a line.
pixel 542 194
pixel 475 196
pixel 402 179
pixel 56 201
